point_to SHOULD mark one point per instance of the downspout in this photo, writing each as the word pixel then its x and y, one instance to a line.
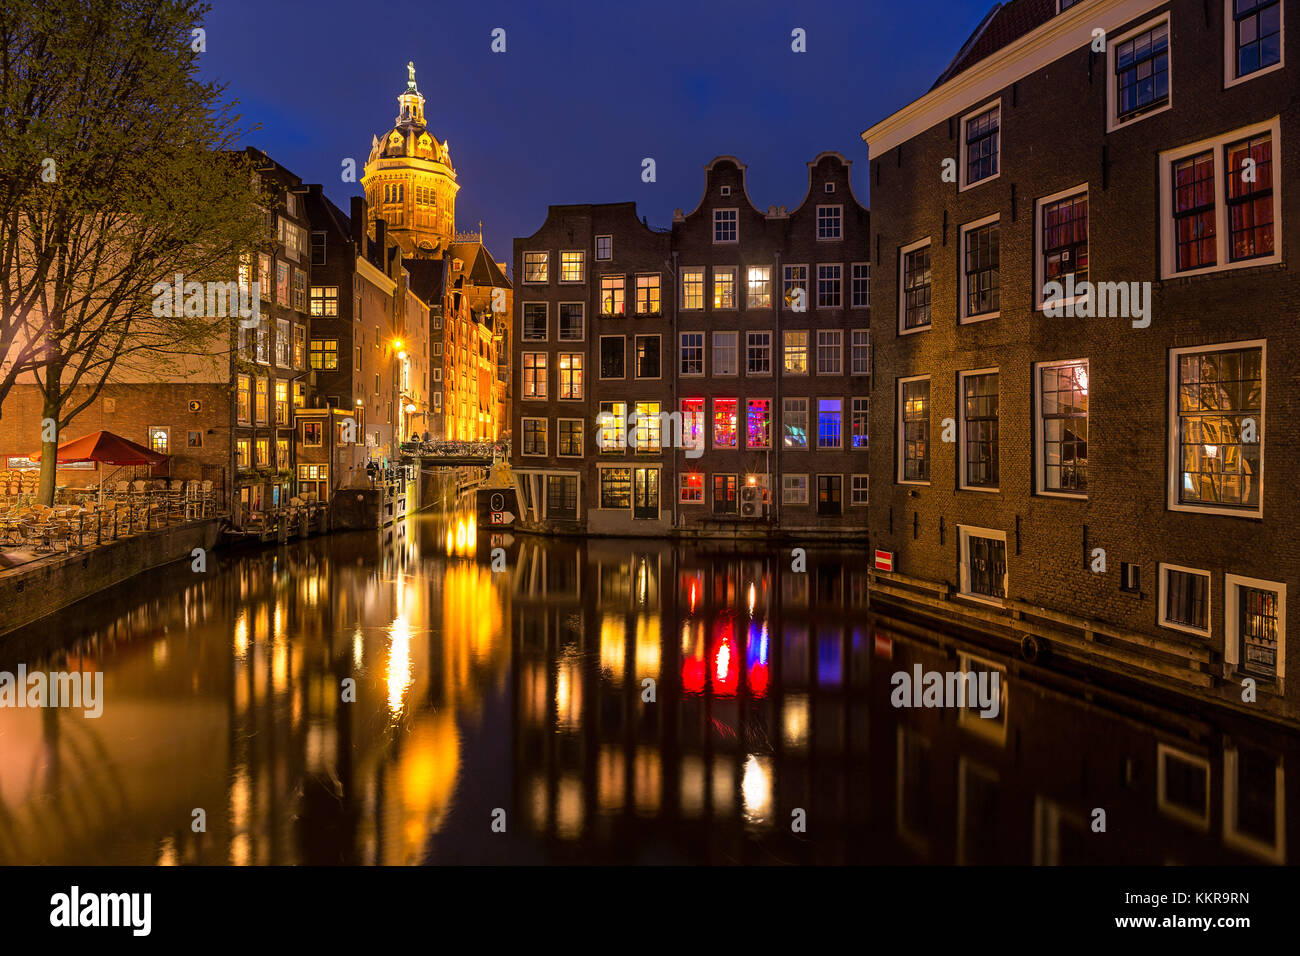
pixel 675 487
pixel 778 366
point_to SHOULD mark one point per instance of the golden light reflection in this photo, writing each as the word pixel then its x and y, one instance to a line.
pixel 647 646
pixel 613 646
pixel 568 692
pixel 692 775
pixel 568 807
pixel 724 785
pixel 756 789
pixel 753 598
pixel 647 774
pixel 610 781
pixel 795 721
pixel 400 669
pixel 241 635
pixel 358 648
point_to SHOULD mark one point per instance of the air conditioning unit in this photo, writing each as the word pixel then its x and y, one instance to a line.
pixel 751 501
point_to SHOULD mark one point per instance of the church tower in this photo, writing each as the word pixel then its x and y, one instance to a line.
pixel 409 180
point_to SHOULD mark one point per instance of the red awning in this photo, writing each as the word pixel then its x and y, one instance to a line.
pixel 107 448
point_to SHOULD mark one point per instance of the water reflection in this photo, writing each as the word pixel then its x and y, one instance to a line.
pixel 375 698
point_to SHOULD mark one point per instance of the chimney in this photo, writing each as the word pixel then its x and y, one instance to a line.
pixel 358 210
pixel 381 231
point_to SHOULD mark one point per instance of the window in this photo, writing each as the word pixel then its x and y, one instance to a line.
pixel 794 489
pixel 859 489
pixel 159 439
pixel 647 427
pixel 828 287
pixel 570 375
pixel 829 352
pixel 1218 442
pixel 261 395
pixel 1139 63
pixel 980 144
pixel 312 435
pixel 914 429
pixel 692 289
pixel 283 343
pixel 691 353
pixel 318 248
pixel 243 391
pixel 724 423
pixel 1255 619
pixel 613 427
pixel 725 225
pixel 860 352
pixel 693 423
pixel 914 303
pixel 691 488
pixel 613 356
pixel 534 375
pixel 794 422
pixel 1130 578
pixel 300 290
pixel 758 423
pixel 795 286
pixel 282 274
pixel 1063 427
pixel 983 563
pixel 604 247
pixel 242 456
pixel 860 426
pixel 979 429
pixel 300 347
pixel 830 494
pixel 537 266
pixel 647 356
pixel 861 292
pixel 571 264
pixel 724 494
pixel 1183 786
pixel 760 287
pixel 534 430
pixel 570 438
pixel 535 322
pixel 647 294
pixel 1062 241
pixel 562 496
pixel 616 488
pixel 1254 37
pixel 282 454
pixel 281 402
pixel 612 302
pixel 796 353
pixel 828 222
pixel 264 275
pixel 325 300
pixel 1219 207
pixel 980 272
pixel 758 353
pixel 830 414
pixel 724 287
pixel 572 325
pixel 724 353
pixel 1254 802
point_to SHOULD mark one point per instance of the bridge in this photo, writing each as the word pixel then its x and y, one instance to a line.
pixel 453 453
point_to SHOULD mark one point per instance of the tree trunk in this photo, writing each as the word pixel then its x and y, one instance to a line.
pixel 49 453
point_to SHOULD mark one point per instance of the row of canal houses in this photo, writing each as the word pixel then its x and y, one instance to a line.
pixel 1103 475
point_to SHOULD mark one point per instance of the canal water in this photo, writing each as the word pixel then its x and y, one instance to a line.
pixel 603 701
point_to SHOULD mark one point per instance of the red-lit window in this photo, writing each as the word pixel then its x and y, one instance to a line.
pixel 724 423
pixel 1250 198
pixel 692 488
pixel 1194 211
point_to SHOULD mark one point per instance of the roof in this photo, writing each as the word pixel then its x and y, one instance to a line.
pixel 428 279
pixel 1002 25
pixel 480 267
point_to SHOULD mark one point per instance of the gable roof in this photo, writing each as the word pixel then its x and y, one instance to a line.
pixel 480 267
pixel 1002 25
pixel 428 279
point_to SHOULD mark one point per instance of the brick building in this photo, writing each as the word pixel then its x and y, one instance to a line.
pixel 732 352
pixel 1104 474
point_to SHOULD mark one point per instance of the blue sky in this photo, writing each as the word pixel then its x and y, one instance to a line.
pixel 583 93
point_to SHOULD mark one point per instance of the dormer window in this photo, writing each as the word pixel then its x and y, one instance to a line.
pixel 830 187
pixel 457 265
pixel 726 191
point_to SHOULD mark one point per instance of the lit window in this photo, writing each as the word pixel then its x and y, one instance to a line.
pixel 914 429
pixel 612 302
pixel 830 414
pixel 325 300
pixel 570 438
pixel 724 423
pixel 534 375
pixel 760 287
pixel 571 266
pixel 794 422
pixel 613 426
pixel 979 436
pixel 692 488
pixel 570 375
pixel 537 266
pixel 795 286
pixel 1219 427
pixel 1063 427
pixel 534 436
pixel 647 427
pixel 758 423
pixel 647 294
pixel 616 488
pixel 692 289
pixel 724 287
pixel 861 424
pixel 796 352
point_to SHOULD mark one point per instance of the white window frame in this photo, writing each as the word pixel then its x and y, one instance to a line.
pixel 546 380
pixel 785 499
pixel 853 345
pixel 704 288
pixel 1199 821
pixel 1216 146
pixel 596 249
pixel 749 285
pixel 899 440
pixel 964 317
pixel 965 532
pixel 582 306
pixel 1162 589
pixel 681 487
pixel 853 266
pixel 770 366
pixel 839 222
pixel 582 439
pixel 903 252
pixel 546 433
pixel 1174 468
pixel 1113 122
pixel 726 242
pixel 546 309
pixel 785 348
pixel 600 365
pixel 582 267
pixel 1274 853
pixel 839 351
pixel 735 289
pixel 963 185
pixel 1040 461
pixel 582 376
pixel 853 492
pixel 838 282
pixel 961 429
pixel 815 429
pixel 713 366
pixel 635 371
pixel 681 351
pixel 1231 642
pixel 785 411
pixel 547 258
pixel 1230 47
pixel 1040 278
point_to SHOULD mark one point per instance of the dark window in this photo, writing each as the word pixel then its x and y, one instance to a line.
pixel 612 357
pixel 1187 599
pixel 982 270
pixel 1250 201
pixel 562 496
pixel 647 356
pixel 604 247
pixel 1256 791
pixel 534 322
pixel 724 494
pixel 980 424
pixel 830 494
pixel 1130 578
pixel 1142 72
pixel 1065 239
pixel 1064 403
pixel 916 288
pixel 982 145
pixel 571 322
pixel 1194 227
pixel 986 566
pixel 1220 404
pixel 1186 784
pixel 1257 26
pixel 1257 619
pixel 318 248
pixel 915 411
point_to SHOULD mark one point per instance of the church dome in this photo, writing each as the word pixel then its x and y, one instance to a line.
pixel 410 137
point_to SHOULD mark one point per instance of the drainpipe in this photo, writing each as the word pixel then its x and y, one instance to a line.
pixel 778 365
pixel 675 489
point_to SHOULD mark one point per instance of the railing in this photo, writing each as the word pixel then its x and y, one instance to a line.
pixel 80 520
pixel 457 449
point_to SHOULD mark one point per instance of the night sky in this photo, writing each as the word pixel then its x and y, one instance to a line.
pixel 584 91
